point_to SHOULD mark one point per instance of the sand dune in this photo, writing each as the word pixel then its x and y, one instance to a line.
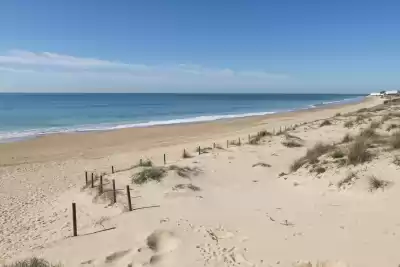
pixel 241 205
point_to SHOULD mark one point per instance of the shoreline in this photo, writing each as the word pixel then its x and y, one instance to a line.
pixel 13 136
pixel 92 144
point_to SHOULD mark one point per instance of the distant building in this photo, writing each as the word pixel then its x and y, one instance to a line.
pixel 392 92
pixel 375 94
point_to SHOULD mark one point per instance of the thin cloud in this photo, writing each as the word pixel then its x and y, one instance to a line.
pixel 143 76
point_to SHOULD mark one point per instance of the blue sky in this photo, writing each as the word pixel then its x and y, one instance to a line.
pixel 343 46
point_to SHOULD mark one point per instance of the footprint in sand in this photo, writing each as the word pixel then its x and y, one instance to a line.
pixel 160 244
pixel 162 241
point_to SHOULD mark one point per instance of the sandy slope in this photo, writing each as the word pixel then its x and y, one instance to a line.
pixel 235 214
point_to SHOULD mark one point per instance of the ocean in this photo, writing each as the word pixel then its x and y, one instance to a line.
pixel 30 115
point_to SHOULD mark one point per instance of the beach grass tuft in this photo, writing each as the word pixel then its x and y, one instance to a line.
pixel 292 143
pixel 33 262
pixel 189 186
pixel 394 140
pixel 318 150
pixel 391 127
pixel 184 171
pixel 375 183
pixel 325 123
pixel 385 117
pixel 357 152
pixel 337 154
pixel 319 169
pixel 349 124
pixel 297 164
pixel 311 155
pixel 347 138
pixel 149 174
pixel 347 180
pixel 145 163
pixel 396 160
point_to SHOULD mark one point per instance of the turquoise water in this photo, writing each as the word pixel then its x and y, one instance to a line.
pixel 30 115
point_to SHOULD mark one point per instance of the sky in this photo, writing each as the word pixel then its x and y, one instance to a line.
pixel 269 46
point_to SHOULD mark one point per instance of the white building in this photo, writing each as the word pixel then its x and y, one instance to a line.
pixel 392 92
pixel 375 94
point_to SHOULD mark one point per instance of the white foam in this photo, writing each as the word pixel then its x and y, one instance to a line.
pixel 18 135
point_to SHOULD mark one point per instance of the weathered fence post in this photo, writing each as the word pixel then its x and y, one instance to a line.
pixel 249 138
pixel 128 193
pixel 213 145
pixel 92 179
pixel 114 192
pixel 239 141
pixel 101 185
pixel 75 230
pixel 199 150
pixel 165 159
pixel 86 179
pixel 112 169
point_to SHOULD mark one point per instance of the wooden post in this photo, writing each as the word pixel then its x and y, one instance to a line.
pixel 74 219
pixel 92 179
pixel 112 169
pixel 86 179
pixel 101 185
pixel 199 150
pixel 128 193
pixel 165 159
pixel 239 141
pixel 214 145
pixel 114 192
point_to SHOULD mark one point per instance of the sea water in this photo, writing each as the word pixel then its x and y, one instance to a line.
pixel 30 115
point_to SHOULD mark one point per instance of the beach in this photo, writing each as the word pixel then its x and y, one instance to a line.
pixel 236 204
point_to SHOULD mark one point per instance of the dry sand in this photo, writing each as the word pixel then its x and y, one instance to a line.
pixel 227 211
